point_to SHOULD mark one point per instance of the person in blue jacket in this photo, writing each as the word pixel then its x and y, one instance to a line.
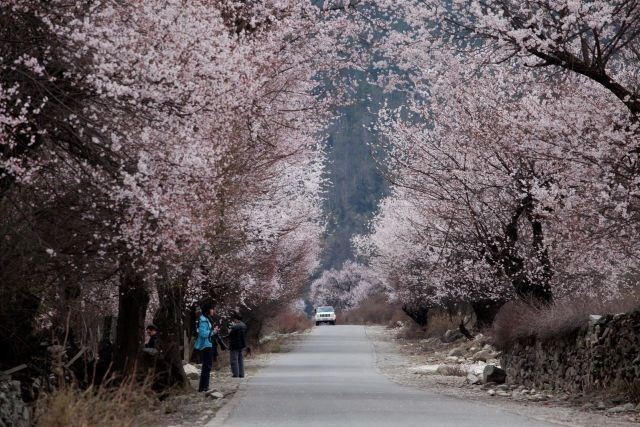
pixel 207 343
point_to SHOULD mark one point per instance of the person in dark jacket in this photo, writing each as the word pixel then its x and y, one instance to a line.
pixel 151 346
pixel 237 336
pixel 152 333
pixel 207 343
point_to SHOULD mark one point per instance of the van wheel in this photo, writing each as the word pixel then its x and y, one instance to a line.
pixel 317 323
pixel 333 323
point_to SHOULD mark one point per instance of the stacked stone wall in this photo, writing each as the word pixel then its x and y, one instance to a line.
pixel 605 354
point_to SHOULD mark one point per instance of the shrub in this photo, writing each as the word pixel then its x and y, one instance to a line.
pixel 374 310
pixel 439 321
pixel 517 319
pixel 288 322
pixel 126 405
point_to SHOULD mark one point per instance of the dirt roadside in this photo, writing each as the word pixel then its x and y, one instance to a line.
pixel 197 409
pixel 404 362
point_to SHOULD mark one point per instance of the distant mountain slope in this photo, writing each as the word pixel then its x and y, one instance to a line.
pixel 355 185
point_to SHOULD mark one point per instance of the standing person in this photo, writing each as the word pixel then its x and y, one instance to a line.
pixel 236 345
pixel 204 345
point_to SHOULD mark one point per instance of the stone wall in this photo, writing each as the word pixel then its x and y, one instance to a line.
pixel 13 411
pixel 605 354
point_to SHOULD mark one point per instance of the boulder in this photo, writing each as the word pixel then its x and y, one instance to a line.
pixel 192 372
pixel 628 407
pixel 451 335
pixel 483 355
pixel 458 351
pixel 493 374
pixel 491 392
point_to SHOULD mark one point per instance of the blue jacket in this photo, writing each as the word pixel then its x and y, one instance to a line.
pixel 205 335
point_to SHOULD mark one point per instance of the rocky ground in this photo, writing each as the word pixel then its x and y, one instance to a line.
pixel 456 368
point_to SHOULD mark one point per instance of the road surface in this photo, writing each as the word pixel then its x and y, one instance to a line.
pixel 330 380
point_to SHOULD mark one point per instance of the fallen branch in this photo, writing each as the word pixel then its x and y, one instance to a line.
pixel 80 353
pixel 14 369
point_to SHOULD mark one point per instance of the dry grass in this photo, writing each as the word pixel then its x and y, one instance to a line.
pixel 452 371
pixel 632 391
pixel 412 331
pixel 288 322
pixel 375 310
pixel 276 345
pixel 517 320
pixel 128 405
pixel 439 322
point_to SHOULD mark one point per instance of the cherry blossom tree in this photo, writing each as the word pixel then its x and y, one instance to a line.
pixel 515 180
pixel 167 128
pixel 346 288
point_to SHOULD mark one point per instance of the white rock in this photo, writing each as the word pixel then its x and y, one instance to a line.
pixel 491 392
pixel 192 372
pixel 621 408
pixel 215 394
pixel 424 369
pixel 458 351
pixel 190 369
pixel 476 368
pixel 503 393
pixel 472 379
pixel 593 318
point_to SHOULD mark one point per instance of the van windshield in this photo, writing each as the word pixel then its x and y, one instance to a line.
pixel 327 309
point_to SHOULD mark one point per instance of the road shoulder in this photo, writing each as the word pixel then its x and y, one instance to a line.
pixel 402 367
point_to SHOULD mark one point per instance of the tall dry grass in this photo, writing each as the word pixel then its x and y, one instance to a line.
pixel 127 405
pixel 288 322
pixel 517 319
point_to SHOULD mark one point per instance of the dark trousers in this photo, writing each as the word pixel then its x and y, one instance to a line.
pixel 207 361
pixel 237 363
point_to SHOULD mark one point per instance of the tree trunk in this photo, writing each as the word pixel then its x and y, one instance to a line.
pixel 486 311
pixel 132 308
pixel 254 329
pixel 419 313
pixel 501 251
pixel 18 316
pixel 168 319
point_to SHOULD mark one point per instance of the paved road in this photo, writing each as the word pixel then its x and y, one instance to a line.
pixel 330 380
